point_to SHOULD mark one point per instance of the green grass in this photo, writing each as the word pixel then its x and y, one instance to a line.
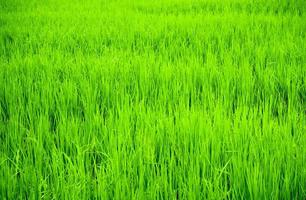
pixel 180 99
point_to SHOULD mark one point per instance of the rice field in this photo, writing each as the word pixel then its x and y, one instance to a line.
pixel 153 99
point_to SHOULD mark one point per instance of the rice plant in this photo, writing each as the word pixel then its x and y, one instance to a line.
pixel 153 99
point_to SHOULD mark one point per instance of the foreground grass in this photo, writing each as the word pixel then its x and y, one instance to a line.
pixel 152 100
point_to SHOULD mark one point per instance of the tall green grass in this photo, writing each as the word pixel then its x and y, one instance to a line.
pixel 175 99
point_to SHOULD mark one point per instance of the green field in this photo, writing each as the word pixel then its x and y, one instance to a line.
pixel 153 99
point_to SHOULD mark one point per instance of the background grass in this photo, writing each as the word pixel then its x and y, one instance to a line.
pixel 168 99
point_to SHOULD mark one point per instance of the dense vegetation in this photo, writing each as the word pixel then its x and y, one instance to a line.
pixel 164 99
